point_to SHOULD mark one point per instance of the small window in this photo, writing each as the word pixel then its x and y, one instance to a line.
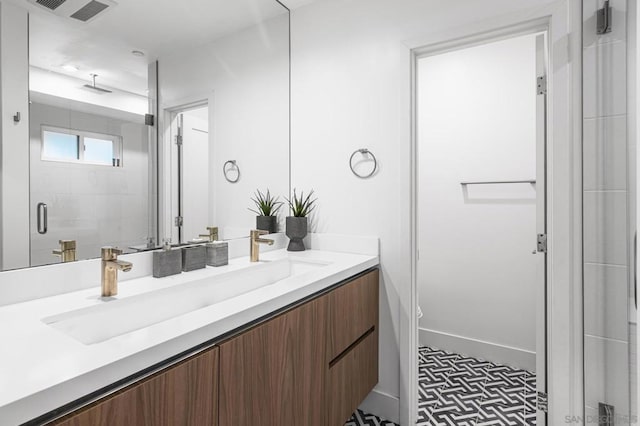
pixel 76 146
pixel 99 151
pixel 60 146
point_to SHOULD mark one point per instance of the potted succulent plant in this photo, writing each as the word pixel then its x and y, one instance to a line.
pixel 296 225
pixel 266 209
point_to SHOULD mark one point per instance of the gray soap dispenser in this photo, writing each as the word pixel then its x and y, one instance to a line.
pixel 167 261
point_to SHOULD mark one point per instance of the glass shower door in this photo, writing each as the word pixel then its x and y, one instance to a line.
pixel 609 212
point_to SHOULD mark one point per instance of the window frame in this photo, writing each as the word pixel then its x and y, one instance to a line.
pixel 81 135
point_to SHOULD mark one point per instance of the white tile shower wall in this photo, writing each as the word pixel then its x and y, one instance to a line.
pixel 606 226
pixel 351 89
pixel 605 288
pixel 606 373
pixel 95 205
pixel 605 165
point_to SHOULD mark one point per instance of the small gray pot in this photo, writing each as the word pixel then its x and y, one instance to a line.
pixel 267 223
pixel 296 231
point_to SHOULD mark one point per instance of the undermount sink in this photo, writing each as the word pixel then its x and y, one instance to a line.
pixel 116 317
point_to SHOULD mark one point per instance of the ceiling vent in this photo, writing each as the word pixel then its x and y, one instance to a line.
pixel 79 10
pixel 89 10
pixel 50 4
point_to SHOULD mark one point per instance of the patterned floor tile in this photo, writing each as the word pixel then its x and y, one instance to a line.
pixel 530 393
pixel 457 408
pixel 434 369
pixel 468 375
pixel 464 391
pixel 360 418
pixel 500 415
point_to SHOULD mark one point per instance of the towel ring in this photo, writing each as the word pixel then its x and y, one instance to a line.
pixel 226 170
pixel 363 151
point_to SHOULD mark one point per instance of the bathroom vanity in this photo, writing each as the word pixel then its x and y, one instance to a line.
pixel 276 371
pixel 293 338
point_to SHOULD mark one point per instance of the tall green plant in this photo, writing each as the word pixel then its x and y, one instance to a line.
pixel 301 206
pixel 266 205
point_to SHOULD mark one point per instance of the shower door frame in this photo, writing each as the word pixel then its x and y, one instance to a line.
pixel 564 214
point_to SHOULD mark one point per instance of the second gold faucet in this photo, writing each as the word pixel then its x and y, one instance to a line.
pixel 110 267
pixel 255 242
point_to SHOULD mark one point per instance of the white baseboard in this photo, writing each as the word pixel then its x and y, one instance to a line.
pixel 383 405
pixel 493 352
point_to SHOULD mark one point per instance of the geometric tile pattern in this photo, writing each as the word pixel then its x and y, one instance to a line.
pixel 359 418
pixel 463 391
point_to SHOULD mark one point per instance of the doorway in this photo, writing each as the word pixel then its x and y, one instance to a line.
pixel 190 167
pixel 481 232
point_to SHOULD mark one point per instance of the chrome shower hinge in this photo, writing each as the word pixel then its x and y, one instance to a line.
pixel 604 19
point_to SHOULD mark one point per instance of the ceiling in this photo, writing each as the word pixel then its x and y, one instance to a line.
pixel 155 27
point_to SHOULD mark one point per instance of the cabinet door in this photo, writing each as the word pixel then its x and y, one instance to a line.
pixel 353 311
pixel 183 395
pixel 274 374
pixel 351 378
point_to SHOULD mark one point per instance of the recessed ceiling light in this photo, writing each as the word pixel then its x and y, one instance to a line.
pixel 70 68
pixel 137 53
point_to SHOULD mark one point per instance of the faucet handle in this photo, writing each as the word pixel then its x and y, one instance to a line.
pixel 212 235
pixel 257 232
pixel 110 253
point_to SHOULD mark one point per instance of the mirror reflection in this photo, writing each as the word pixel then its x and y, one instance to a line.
pixel 135 109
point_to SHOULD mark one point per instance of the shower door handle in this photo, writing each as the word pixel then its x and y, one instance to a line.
pixel 42 218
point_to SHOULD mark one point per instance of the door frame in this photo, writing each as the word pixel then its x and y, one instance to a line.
pixel 562 21
pixel 539 30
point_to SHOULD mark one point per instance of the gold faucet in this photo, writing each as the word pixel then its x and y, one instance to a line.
pixel 110 267
pixel 255 244
pixel 67 250
pixel 212 235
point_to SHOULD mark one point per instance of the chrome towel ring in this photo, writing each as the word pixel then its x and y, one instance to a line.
pixel 364 152
pixel 232 166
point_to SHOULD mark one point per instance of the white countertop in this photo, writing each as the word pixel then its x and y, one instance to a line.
pixel 42 368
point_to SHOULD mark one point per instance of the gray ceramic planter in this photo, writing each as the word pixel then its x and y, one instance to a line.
pixel 267 223
pixel 296 231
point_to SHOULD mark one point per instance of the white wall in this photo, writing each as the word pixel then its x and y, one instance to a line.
pixel 94 205
pixel 477 122
pixel 351 88
pixel 245 79
pixel 14 87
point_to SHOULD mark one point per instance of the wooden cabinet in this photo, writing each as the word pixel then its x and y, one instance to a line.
pixel 185 394
pixel 351 378
pixel 352 346
pixel 353 310
pixel 312 365
pixel 274 374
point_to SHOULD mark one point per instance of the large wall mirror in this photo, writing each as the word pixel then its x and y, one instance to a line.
pixel 136 110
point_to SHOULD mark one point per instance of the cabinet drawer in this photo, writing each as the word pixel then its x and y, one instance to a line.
pixel 183 395
pixel 353 310
pixel 351 379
